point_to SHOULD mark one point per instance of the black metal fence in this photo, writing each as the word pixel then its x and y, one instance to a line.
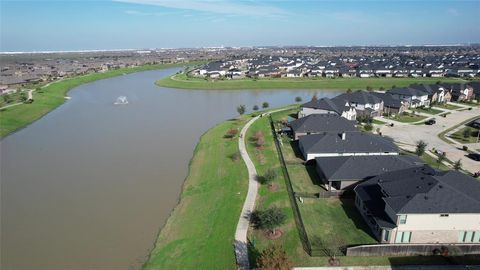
pixel 307 246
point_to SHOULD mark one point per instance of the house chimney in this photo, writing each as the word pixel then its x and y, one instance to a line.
pixel 344 135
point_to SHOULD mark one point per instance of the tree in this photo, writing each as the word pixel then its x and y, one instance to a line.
pixel 381 88
pixel 265 105
pixel 298 99
pixel 440 158
pixel 349 90
pixel 231 133
pixel 23 97
pixel 369 88
pixel 394 86
pixel 269 219
pixel 255 107
pixel 260 142
pixel 457 165
pixel 467 133
pixel 368 127
pixel 258 134
pixel 421 146
pixel 332 246
pixel 269 176
pixel 7 98
pixel 274 258
pixel 241 109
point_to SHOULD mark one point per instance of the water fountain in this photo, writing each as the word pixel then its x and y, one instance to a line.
pixel 121 100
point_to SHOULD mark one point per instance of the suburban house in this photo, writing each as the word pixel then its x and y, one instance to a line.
pixel 392 105
pixel 345 172
pixel 345 144
pixel 460 91
pixel 320 123
pixel 421 205
pixel 328 106
pixel 436 93
pixel 364 102
pixel 413 97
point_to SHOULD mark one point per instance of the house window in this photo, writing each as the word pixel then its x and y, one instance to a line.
pixel 386 236
pixel 443 215
pixel 468 237
pixel 403 237
pixel 402 219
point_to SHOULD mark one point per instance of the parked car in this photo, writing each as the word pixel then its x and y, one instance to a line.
pixel 474 156
pixel 430 122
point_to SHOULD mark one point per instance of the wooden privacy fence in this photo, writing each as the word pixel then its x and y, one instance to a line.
pixel 413 249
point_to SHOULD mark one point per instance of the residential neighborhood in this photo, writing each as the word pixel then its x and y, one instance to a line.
pixel 341 62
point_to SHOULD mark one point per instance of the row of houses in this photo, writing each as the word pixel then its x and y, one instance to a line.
pixel 363 67
pixel 402 199
pixel 394 101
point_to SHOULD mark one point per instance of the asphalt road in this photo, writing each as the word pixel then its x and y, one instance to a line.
pixel 410 134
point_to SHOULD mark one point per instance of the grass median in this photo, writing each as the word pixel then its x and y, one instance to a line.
pixel 182 81
pixel 53 95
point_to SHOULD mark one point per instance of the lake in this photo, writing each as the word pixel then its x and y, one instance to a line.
pixel 90 185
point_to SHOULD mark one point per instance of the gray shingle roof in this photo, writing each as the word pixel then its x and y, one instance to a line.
pixel 362 167
pixel 355 142
pixel 425 190
pixel 316 123
pixel 336 105
pixel 389 100
pixel 360 97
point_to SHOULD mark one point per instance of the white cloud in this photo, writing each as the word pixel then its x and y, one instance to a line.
pixel 246 8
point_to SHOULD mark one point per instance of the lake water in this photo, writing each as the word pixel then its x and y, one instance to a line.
pixel 90 184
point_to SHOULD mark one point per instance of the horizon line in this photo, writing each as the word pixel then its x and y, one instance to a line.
pixel 236 47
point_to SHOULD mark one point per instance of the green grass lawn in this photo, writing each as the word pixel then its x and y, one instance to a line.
pixel 11 98
pixel 408 118
pixel 428 110
pixel 378 122
pixel 459 136
pixel 200 231
pixel 447 106
pixel 442 134
pixel 52 96
pixel 182 81
pixel 326 217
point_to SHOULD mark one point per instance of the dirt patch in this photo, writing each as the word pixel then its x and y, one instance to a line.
pixel 272 236
pixel 273 187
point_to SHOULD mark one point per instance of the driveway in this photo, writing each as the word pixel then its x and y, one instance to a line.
pixel 410 134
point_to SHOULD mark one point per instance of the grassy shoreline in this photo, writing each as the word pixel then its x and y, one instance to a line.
pixel 182 81
pixel 53 95
pixel 199 233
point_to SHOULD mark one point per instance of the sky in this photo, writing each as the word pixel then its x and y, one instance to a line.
pixel 65 25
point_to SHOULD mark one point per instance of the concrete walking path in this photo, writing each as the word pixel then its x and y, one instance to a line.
pixel 241 241
pixel 241 244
